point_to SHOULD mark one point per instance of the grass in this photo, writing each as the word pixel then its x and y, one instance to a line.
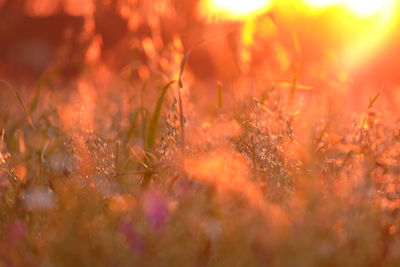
pixel 123 177
pixel 249 194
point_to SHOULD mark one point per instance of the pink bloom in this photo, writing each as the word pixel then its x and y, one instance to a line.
pixel 135 240
pixel 155 208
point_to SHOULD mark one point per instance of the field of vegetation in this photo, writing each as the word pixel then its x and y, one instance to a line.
pixel 147 166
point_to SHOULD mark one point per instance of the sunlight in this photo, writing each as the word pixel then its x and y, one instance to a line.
pixel 321 3
pixel 359 7
pixel 367 7
pixel 235 9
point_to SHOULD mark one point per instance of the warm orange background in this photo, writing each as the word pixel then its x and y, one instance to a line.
pixel 321 43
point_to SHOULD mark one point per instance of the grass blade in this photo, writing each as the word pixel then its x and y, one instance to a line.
pixel 132 124
pixel 219 89
pixel 155 118
pixel 181 121
pixel 373 100
pixel 143 115
pixel 182 68
pixel 20 100
pixel 35 101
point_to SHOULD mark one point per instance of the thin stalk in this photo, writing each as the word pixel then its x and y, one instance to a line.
pixel 20 100
pixel 181 121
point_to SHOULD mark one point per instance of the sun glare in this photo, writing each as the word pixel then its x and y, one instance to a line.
pixel 321 3
pixel 366 7
pixel 236 9
pixel 239 9
pixel 359 7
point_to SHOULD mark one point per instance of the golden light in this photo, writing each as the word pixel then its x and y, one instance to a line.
pixel 353 31
pixel 347 34
pixel 367 7
pixel 234 9
pixel 239 9
pixel 358 7
pixel 321 3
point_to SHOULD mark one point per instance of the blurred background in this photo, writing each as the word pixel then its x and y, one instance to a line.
pixel 316 45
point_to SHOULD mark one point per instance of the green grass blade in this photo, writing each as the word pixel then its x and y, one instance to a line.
pixel 132 124
pixel 35 101
pixel 155 118
pixel 143 115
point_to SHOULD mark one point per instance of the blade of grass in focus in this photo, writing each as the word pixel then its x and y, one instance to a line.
pixel 155 118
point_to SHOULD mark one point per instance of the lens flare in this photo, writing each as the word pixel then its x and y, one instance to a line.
pixel 235 9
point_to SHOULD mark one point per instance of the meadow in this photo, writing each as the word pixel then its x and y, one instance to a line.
pixel 152 166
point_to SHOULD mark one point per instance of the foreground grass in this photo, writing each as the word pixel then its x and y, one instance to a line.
pixel 103 178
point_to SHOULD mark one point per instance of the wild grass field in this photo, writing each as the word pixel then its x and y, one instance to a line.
pixel 155 167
